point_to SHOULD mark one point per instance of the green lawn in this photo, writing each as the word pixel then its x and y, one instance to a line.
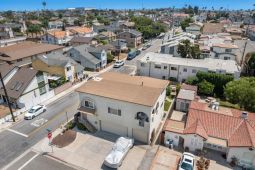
pixel 228 104
pixel 167 105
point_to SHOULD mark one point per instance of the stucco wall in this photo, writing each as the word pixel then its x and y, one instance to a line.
pixel 243 154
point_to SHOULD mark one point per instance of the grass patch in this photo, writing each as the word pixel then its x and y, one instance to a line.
pixel 228 104
pixel 167 105
pixel 70 125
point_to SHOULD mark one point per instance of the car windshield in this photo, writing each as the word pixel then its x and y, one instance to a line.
pixel 118 62
pixel 31 110
pixel 186 166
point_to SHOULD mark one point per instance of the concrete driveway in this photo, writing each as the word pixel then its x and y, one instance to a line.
pixel 165 159
pixel 88 151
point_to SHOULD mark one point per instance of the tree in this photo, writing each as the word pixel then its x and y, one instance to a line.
pixel 192 80
pixel 250 65
pixel 205 88
pixel 218 80
pixel 185 23
pixel 147 27
pixel 187 50
pixel 44 5
pixel 34 29
pixel 242 92
pixel 110 57
pixel 168 91
pixel 184 48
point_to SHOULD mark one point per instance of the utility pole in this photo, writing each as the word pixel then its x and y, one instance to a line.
pixel 7 98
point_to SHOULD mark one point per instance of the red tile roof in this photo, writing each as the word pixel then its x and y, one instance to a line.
pixel 196 128
pixel 225 124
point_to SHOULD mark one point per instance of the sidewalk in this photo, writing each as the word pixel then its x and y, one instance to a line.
pixel 19 118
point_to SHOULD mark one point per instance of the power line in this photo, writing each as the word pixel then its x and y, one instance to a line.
pixel 6 97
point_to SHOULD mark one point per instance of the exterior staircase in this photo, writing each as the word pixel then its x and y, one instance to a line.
pixel 89 126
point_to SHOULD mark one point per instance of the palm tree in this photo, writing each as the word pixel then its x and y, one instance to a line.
pixel 44 4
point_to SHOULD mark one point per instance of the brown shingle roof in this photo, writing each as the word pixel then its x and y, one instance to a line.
pixel 133 89
pixel 213 28
pixel 189 87
pixel 19 82
pixel 25 49
pixel 6 68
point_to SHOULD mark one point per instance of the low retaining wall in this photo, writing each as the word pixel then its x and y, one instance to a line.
pixel 62 88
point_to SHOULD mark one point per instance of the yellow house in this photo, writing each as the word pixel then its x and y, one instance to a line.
pixel 58 64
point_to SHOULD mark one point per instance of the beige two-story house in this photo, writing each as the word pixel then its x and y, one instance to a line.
pixel 133 38
pixel 125 105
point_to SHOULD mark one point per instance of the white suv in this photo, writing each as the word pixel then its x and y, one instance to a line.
pixel 187 161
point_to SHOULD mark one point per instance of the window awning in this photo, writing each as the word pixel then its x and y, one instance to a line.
pixel 53 77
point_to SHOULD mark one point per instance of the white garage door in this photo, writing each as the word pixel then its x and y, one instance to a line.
pixel 140 135
pixel 114 128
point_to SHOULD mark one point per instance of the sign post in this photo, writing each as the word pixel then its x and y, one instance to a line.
pixel 49 135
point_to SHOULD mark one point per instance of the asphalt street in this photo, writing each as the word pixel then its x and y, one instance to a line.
pixel 26 133
pixel 130 65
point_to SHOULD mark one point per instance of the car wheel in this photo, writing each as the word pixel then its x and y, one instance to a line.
pixel 44 110
pixel 33 117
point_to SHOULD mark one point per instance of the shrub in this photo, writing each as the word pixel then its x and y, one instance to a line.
pixel 70 125
pixel 167 105
pixel 168 91
pixel 205 88
pixel 110 57
pixel 80 126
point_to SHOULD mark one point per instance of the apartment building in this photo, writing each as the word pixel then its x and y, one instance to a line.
pixel 165 66
pixel 170 44
pixel 132 37
pixel 224 51
pixel 125 105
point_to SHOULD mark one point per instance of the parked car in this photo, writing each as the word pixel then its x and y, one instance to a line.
pixel 133 54
pixel 34 111
pixel 118 152
pixel 187 161
pixel 146 46
pixel 118 64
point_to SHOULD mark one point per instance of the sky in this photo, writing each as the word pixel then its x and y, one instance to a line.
pixel 122 4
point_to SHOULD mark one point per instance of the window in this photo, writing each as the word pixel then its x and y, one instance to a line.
pixel 141 123
pixel 142 64
pixel 226 58
pixel 185 70
pixel 19 60
pixel 42 88
pixel 68 68
pixel 165 67
pixel 173 68
pixel 114 111
pixel 157 66
pixel 89 104
pixel 228 50
pixel 194 71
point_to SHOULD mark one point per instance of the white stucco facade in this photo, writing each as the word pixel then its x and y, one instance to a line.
pixel 125 124
pixel 163 66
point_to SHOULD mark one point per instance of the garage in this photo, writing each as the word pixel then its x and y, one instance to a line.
pixel 140 135
pixel 114 128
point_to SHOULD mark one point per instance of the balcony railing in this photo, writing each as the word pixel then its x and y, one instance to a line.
pixel 87 110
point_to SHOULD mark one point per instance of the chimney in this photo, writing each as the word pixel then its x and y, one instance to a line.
pixel 244 115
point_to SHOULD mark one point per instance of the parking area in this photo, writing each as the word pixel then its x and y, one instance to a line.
pixel 89 151
pixel 166 159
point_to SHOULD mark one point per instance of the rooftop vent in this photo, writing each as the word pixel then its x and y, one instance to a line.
pixel 214 105
pixel 244 115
